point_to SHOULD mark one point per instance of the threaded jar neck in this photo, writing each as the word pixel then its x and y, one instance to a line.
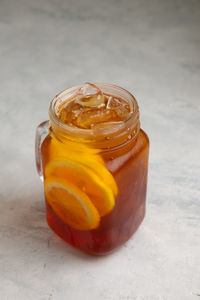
pixel 101 138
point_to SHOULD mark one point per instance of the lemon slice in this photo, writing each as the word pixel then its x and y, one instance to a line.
pixel 85 180
pixel 71 204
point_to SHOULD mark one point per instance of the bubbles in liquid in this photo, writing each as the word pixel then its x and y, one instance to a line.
pixel 91 108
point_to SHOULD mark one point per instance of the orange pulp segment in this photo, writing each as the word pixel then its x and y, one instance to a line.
pixel 59 148
pixel 90 160
pixel 71 204
pixel 85 180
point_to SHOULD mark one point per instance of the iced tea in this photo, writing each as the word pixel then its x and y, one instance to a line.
pixel 95 162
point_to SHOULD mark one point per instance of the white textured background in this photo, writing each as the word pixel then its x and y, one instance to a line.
pixel 152 48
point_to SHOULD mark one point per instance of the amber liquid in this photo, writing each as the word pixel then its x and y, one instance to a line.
pixel 128 165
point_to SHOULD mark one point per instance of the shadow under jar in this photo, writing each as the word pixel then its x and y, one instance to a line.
pixel 95 178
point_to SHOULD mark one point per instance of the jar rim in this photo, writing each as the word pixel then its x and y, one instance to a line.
pixel 93 134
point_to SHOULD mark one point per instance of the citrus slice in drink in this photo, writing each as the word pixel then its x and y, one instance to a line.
pixel 87 158
pixel 60 148
pixel 71 204
pixel 100 170
pixel 85 180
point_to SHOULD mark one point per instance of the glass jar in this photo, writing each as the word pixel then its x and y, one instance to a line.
pixel 95 180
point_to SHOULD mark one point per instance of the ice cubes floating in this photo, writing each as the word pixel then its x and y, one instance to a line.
pixel 91 108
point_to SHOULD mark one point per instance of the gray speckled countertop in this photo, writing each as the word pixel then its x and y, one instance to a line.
pixel 152 48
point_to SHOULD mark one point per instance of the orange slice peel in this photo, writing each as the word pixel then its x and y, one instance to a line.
pixel 71 205
pixel 78 185
pixel 85 180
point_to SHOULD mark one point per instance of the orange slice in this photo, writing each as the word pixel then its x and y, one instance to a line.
pixel 84 179
pixel 90 160
pixel 102 172
pixel 71 204
pixel 72 148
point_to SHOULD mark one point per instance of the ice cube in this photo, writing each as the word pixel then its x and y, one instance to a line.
pixel 91 117
pixel 88 90
pixel 90 95
pixel 90 108
pixel 109 103
pixel 119 106
pixel 111 124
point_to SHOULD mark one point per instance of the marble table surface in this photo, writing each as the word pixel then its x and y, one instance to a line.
pixel 152 48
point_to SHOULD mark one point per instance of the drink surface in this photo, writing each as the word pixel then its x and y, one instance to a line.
pixel 95 198
pixel 91 108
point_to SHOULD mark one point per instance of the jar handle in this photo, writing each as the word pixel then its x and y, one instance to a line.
pixel 41 132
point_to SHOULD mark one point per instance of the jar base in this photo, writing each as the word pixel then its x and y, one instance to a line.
pixel 84 241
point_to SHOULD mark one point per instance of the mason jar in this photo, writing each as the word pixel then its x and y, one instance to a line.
pixel 95 179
